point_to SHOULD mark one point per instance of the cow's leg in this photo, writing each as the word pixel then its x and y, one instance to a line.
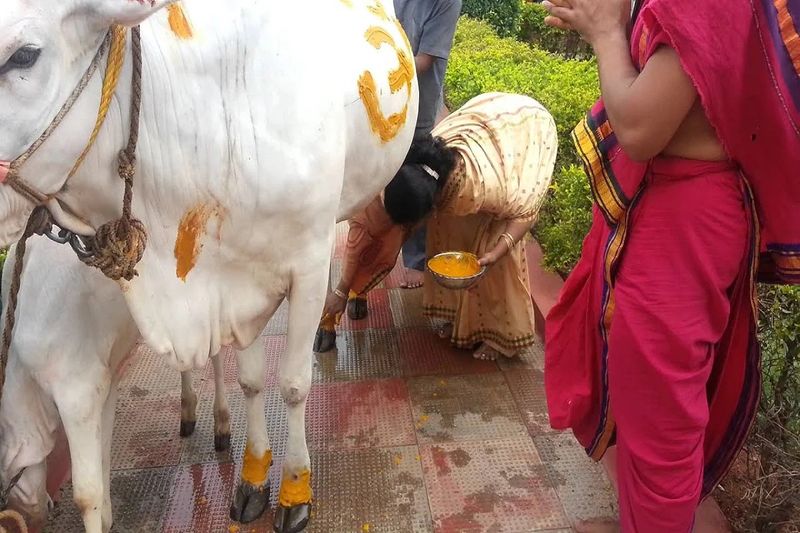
pixel 188 405
pixel 81 408
pixel 222 416
pixel 325 339
pixel 109 410
pixel 252 494
pixel 305 304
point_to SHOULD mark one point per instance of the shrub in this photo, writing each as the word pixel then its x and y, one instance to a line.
pixel 503 15
pixel 481 62
pixel 565 219
pixel 761 490
pixel 779 333
pixel 533 30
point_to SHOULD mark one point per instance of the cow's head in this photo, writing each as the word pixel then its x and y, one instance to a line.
pixel 45 49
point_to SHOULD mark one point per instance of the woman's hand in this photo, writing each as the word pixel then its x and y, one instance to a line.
pixel 593 19
pixel 492 256
pixel 334 306
pixel 556 22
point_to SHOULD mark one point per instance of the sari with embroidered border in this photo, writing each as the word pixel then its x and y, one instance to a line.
pixel 744 60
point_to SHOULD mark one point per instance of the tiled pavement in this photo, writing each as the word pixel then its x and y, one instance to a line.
pixel 406 434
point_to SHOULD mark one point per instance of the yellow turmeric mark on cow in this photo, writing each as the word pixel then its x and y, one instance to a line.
pixel 385 127
pixel 379 11
pixel 296 489
pixel 348 3
pixel 178 22
pixel 409 52
pixel 254 468
pixel 404 74
pixel 188 242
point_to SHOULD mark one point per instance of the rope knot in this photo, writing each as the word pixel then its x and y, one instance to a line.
pixel 117 248
pixel 127 165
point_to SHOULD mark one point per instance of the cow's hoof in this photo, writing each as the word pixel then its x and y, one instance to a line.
pixel 249 502
pixel 222 442
pixel 325 341
pixel 292 519
pixel 357 309
pixel 187 427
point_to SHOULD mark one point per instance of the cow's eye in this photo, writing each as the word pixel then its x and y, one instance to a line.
pixel 23 58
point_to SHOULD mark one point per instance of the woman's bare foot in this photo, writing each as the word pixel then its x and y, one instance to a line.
pixel 598 525
pixel 486 353
pixel 414 279
pixel 444 331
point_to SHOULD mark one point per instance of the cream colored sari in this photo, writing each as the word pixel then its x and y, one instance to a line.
pixel 506 147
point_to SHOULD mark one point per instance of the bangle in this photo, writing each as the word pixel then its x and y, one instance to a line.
pixel 339 293
pixel 509 240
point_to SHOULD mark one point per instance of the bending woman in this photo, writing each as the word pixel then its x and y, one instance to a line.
pixel 478 184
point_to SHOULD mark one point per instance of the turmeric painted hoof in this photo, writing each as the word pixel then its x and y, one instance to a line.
pixel 249 503
pixel 222 442
pixel 325 341
pixel 292 519
pixel 187 427
pixel 357 309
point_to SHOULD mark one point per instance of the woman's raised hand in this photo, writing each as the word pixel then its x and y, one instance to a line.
pixel 593 19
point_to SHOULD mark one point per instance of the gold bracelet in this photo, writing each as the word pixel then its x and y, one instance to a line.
pixel 339 293
pixel 509 240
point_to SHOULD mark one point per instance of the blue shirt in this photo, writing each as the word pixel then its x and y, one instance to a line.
pixel 430 26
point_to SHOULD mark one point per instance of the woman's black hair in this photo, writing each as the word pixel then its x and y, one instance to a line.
pixel 411 194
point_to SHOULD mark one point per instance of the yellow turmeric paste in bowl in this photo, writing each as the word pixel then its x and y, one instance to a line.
pixel 455 270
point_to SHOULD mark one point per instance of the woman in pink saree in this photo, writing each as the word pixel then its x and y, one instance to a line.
pixel 693 155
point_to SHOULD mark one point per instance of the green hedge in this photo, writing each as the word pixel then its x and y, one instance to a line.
pixel 779 333
pixel 533 30
pixel 565 219
pixel 503 15
pixel 481 62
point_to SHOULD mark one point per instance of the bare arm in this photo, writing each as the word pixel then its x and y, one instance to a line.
pixel 517 229
pixel 423 62
pixel 645 109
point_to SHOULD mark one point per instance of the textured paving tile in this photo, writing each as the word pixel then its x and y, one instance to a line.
pixel 490 486
pixel 395 277
pixel 274 347
pixel 378 317
pixel 201 497
pixel 354 491
pixel 425 354
pixel 149 374
pixel 279 323
pixel 464 408
pixel 372 490
pixel 532 358
pixel 339 416
pixel 359 355
pixel 527 386
pixel 138 500
pixel 407 308
pixel 582 484
pixel 146 432
pixel 359 415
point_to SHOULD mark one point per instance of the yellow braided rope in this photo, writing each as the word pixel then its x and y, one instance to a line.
pixel 116 57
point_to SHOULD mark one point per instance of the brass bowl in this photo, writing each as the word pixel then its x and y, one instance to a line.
pixel 456 282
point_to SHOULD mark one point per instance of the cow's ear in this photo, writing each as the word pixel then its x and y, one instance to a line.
pixel 126 12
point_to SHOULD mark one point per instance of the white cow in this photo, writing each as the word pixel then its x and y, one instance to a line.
pixel 261 126
pixel 89 335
